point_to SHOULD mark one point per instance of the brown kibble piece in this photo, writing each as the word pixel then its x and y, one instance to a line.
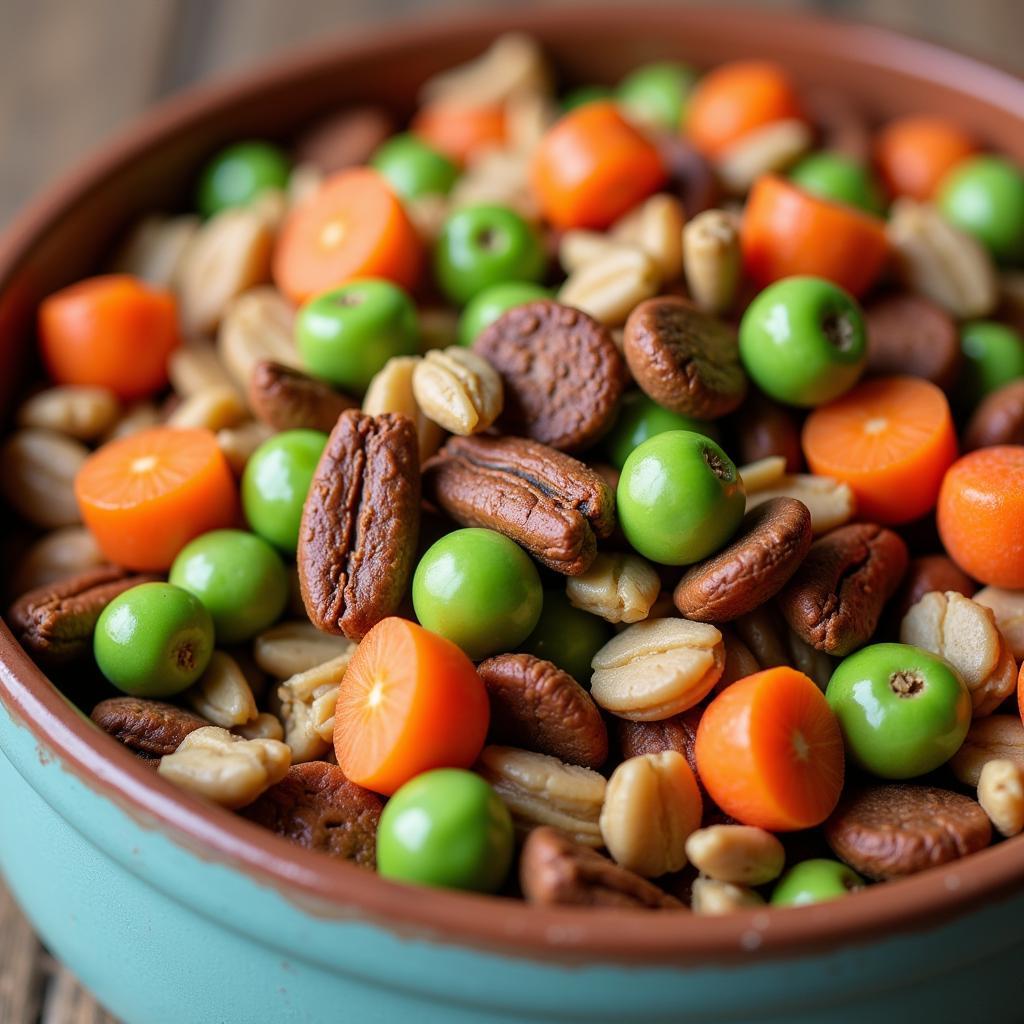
pixel 562 373
pixel 678 733
pixel 998 418
pixel 317 807
pixel 150 728
pixel 691 177
pixel 345 139
pixel 834 600
pixel 288 399
pixel 360 523
pixel 895 829
pixel 928 573
pixel 551 504
pixel 555 871
pixel 537 706
pixel 764 428
pixel 768 548
pixel 909 334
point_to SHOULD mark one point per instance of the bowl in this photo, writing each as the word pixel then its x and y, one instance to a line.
pixel 171 910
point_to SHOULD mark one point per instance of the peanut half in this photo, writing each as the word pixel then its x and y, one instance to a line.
pixel 740 854
pixel 618 587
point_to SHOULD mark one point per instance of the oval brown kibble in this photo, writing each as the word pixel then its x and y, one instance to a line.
pixel 896 829
pixel 345 139
pixel 909 334
pixel 686 360
pixel 998 419
pixel 288 399
pixel 561 371
pixel 691 177
pixel 317 807
pixel 762 428
pixel 149 727
pixel 925 574
pixel 768 548
pixel 537 706
pixel 678 733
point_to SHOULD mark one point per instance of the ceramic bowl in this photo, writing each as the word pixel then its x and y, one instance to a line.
pixel 173 911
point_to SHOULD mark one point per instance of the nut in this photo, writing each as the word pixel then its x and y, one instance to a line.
pixel 537 706
pixel 229 255
pixel 618 587
pixel 213 409
pixel 763 151
pixel 712 260
pixel 909 334
pixel 195 367
pixel 391 391
pixel 1001 795
pixel 457 389
pixel 656 227
pixel 609 286
pixel 347 138
pixel 292 647
pixel 1008 608
pixel 307 703
pixel 996 737
pixel 764 428
pixel 577 248
pixel 156 249
pixel 428 214
pixel 555 871
pixel 148 727
pixel 288 399
pixel 360 523
pixel 964 633
pixel 140 416
pixel 541 790
pixel 678 733
pixel 552 505
pixel 264 726
pixel 829 501
pixel 940 261
pixel 56 555
pixel 303 183
pixel 651 805
pixel 925 574
pixel 739 854
pixel 997 419
pixel 222 695
pixel 763 473
pixel 711 897
pixel 229 770
pixel 690 175
pixel 256 326
pixel 78 412
pixel 495 176
pixel 657 668
pixel 37 472
pixel 528 115
pixel 238 443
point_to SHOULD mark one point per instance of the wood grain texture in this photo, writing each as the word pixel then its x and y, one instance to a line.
pixel 72 73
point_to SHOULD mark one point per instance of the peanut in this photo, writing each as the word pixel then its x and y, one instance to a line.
pixel 291 648
pixel 607 288
pixel 79 412
pixel 656 227
pixel 1008 608
pixel 458 390
pixel 222 695
pixel 618 587
pixel 712 259
pixel 997 737
pixel 711 897
pixel 1001 795
pixel 829 501
pixel 257 325
pixel 739 854
pixel 239 442
pixel 63 552
pixel 391 390
pixel 37 472
pixel 156 249
pixel 763 151
pixel 216 408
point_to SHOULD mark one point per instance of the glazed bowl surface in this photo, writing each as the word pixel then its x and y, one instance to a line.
pixel 174 911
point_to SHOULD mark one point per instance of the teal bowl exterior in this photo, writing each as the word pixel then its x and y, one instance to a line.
pixel 172 911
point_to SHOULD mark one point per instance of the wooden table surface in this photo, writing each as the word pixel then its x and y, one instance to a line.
pixel 73 72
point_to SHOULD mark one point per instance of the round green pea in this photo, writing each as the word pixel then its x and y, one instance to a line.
pixel 584 94
pixel 656 94
pixel 815 881
pixel 640 417
pixel 567 636
pixel 803 341
pixel 446 828
pixel 838 178
pixel 485 245
pixel 413 168
pixel 347 334
pixel 240 579
pixel 154 640
pixel 238 174
pixel 479 589
pixel 679 497
pixel 985 197
pixel 993 356
pixel 902 711
pixel 485 307
pixel 275 484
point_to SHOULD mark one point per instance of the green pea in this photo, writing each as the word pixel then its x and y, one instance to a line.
pixel 347 334
pixel 567 636
pixel 838 178
pixel 640 417
pixel 584 94
pixel 486 306
pixel 679 497
pixel 413 168
pixel 154 640
pixel 240 579
pixel 656 94
pixel 479 589
pixel 993 356
pixel 275 484
pixel 803 341
pixel 985 197
pixel 903 712
pixel 238 174
pixel 485 245
pixel 446 828
pixel 815 881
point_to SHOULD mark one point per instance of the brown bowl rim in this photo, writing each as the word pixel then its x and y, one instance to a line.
pixel 327 889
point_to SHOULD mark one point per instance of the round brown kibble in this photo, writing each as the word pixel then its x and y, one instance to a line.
pixel 769 546
pixel 763 428
pixel 678 733
pixel 896 829
pixel 925 574
pixel 998 419
pixel 151 728
pixel 912 335
pixel 561 371
pixel 345 139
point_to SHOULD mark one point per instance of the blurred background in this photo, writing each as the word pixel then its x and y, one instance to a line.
pixel 74 71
